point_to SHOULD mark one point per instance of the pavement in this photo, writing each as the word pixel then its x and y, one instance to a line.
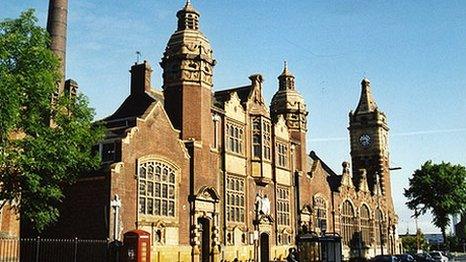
pixel 459 258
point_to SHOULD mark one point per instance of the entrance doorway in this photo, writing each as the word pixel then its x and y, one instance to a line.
pixel 264 247
pixel 204 224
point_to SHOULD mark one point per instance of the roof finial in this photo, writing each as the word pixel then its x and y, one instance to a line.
pixel 285 69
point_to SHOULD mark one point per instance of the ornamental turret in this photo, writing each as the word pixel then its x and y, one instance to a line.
pixel 187 77
pixel 289 103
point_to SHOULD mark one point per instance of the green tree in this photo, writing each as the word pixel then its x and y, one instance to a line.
pixel 440 188
pixel 410 243
pixel 36 160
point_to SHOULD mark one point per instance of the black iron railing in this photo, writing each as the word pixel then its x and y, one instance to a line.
pixel 55 250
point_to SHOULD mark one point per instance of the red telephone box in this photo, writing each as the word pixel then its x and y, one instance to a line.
pixel 136 246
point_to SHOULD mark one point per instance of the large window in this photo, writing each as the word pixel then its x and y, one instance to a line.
pixel 365 224
pixel 282 154
pixel 379 227
pixel 256 137
pixel 234 138
pixel 157 189
pixel 283 206
pixel 261 138
pixel 235 199
pixel 320 207
pixel 267 138
pixel 347 222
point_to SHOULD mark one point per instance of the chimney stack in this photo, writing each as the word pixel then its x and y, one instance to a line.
pixel 141 78
pixel 56 26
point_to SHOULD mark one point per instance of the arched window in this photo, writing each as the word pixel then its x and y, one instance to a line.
pixel 347 219
pixel 365 224
pixel 157 189
pixel 320 207
pixel 379 227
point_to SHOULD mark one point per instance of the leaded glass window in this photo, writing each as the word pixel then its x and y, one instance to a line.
pixel 283 206
pixel 379 227
pixel 256 137
pixel 347 222
pixel 234 135
pixel 235 199
pixel 282 154
pixel 267 139
pixel 320 209
pixel 157 189
pixel 365 224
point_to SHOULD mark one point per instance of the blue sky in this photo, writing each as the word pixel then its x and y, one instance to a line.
pixel 414 53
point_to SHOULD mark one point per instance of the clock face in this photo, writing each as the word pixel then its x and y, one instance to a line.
pixel 365 140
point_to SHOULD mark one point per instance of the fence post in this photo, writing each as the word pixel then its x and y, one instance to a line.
pixel 37 248
pixel 75 249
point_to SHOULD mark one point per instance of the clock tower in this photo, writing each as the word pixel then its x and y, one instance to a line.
pixel 369 142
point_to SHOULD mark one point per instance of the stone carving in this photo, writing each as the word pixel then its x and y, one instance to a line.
pixel 262 205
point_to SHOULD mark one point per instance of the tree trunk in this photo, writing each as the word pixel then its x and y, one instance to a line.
pixel 445 241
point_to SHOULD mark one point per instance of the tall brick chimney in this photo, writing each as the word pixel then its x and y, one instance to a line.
pixel 140 78
pixel 56 26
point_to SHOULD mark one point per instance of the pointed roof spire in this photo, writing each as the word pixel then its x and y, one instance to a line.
pixel 188 6
pixel 366 101
pixel 286 79
pixel 286 72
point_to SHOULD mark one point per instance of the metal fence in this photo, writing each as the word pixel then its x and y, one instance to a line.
pixel 55 250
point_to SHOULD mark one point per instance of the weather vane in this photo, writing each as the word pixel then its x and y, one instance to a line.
pixel 138 56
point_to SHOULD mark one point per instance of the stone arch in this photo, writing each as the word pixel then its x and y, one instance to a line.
pixel 205 212
pixel 206 192
pixel 305 218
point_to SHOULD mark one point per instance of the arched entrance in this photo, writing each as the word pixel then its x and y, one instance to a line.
pixel 204 228
pixel 205 221
pixel 264 247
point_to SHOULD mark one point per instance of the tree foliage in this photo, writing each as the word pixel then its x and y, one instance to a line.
pixel 38 160
pixel 410 243
pixel 440 189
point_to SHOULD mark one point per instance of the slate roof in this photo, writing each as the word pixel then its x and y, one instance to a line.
pixel 220 97
pixel 134 106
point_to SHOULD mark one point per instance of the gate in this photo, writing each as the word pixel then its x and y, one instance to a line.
pixel 315 248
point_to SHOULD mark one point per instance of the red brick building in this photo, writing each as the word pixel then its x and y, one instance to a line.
pixel 219 175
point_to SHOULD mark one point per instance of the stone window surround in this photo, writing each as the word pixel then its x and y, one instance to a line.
pixel 365 223
pixel 235 190
pixel 283 206
pixel 261 138
pixel 320 210
pixel 234 142
pixel 379 219
pixel 347 216
pixel 145 218
pixel 282 154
